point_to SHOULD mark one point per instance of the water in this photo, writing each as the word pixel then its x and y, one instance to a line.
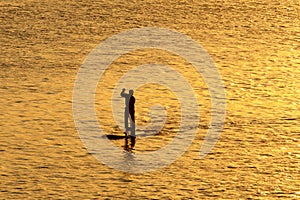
pixel 256 48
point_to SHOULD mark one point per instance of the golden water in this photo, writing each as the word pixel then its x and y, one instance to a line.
pixel 256 46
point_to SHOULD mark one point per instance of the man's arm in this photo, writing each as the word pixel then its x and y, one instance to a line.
pixel 123 93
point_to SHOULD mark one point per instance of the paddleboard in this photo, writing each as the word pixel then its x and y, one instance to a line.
pixel 115 137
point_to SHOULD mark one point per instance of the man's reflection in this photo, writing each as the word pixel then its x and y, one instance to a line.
pixel 130 147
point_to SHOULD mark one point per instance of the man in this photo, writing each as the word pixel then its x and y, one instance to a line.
pixel 129 110
pixel 131 105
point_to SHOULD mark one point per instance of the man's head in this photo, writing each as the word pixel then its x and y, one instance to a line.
pixel 131 92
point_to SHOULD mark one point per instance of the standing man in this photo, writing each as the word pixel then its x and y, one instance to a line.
pixel 131 105
pixel 129 111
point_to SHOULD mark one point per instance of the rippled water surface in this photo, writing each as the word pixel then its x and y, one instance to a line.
pixel 255 45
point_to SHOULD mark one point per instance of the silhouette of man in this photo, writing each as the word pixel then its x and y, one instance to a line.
pixel 131 105
pixel 129 110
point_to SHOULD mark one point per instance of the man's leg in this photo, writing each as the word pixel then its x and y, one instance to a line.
pixel 132 142
pixel 132 115
pixel 126 115
pixel 132 122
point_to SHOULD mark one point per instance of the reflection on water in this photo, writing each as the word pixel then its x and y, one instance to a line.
pixel 255 45
pixel 129 143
